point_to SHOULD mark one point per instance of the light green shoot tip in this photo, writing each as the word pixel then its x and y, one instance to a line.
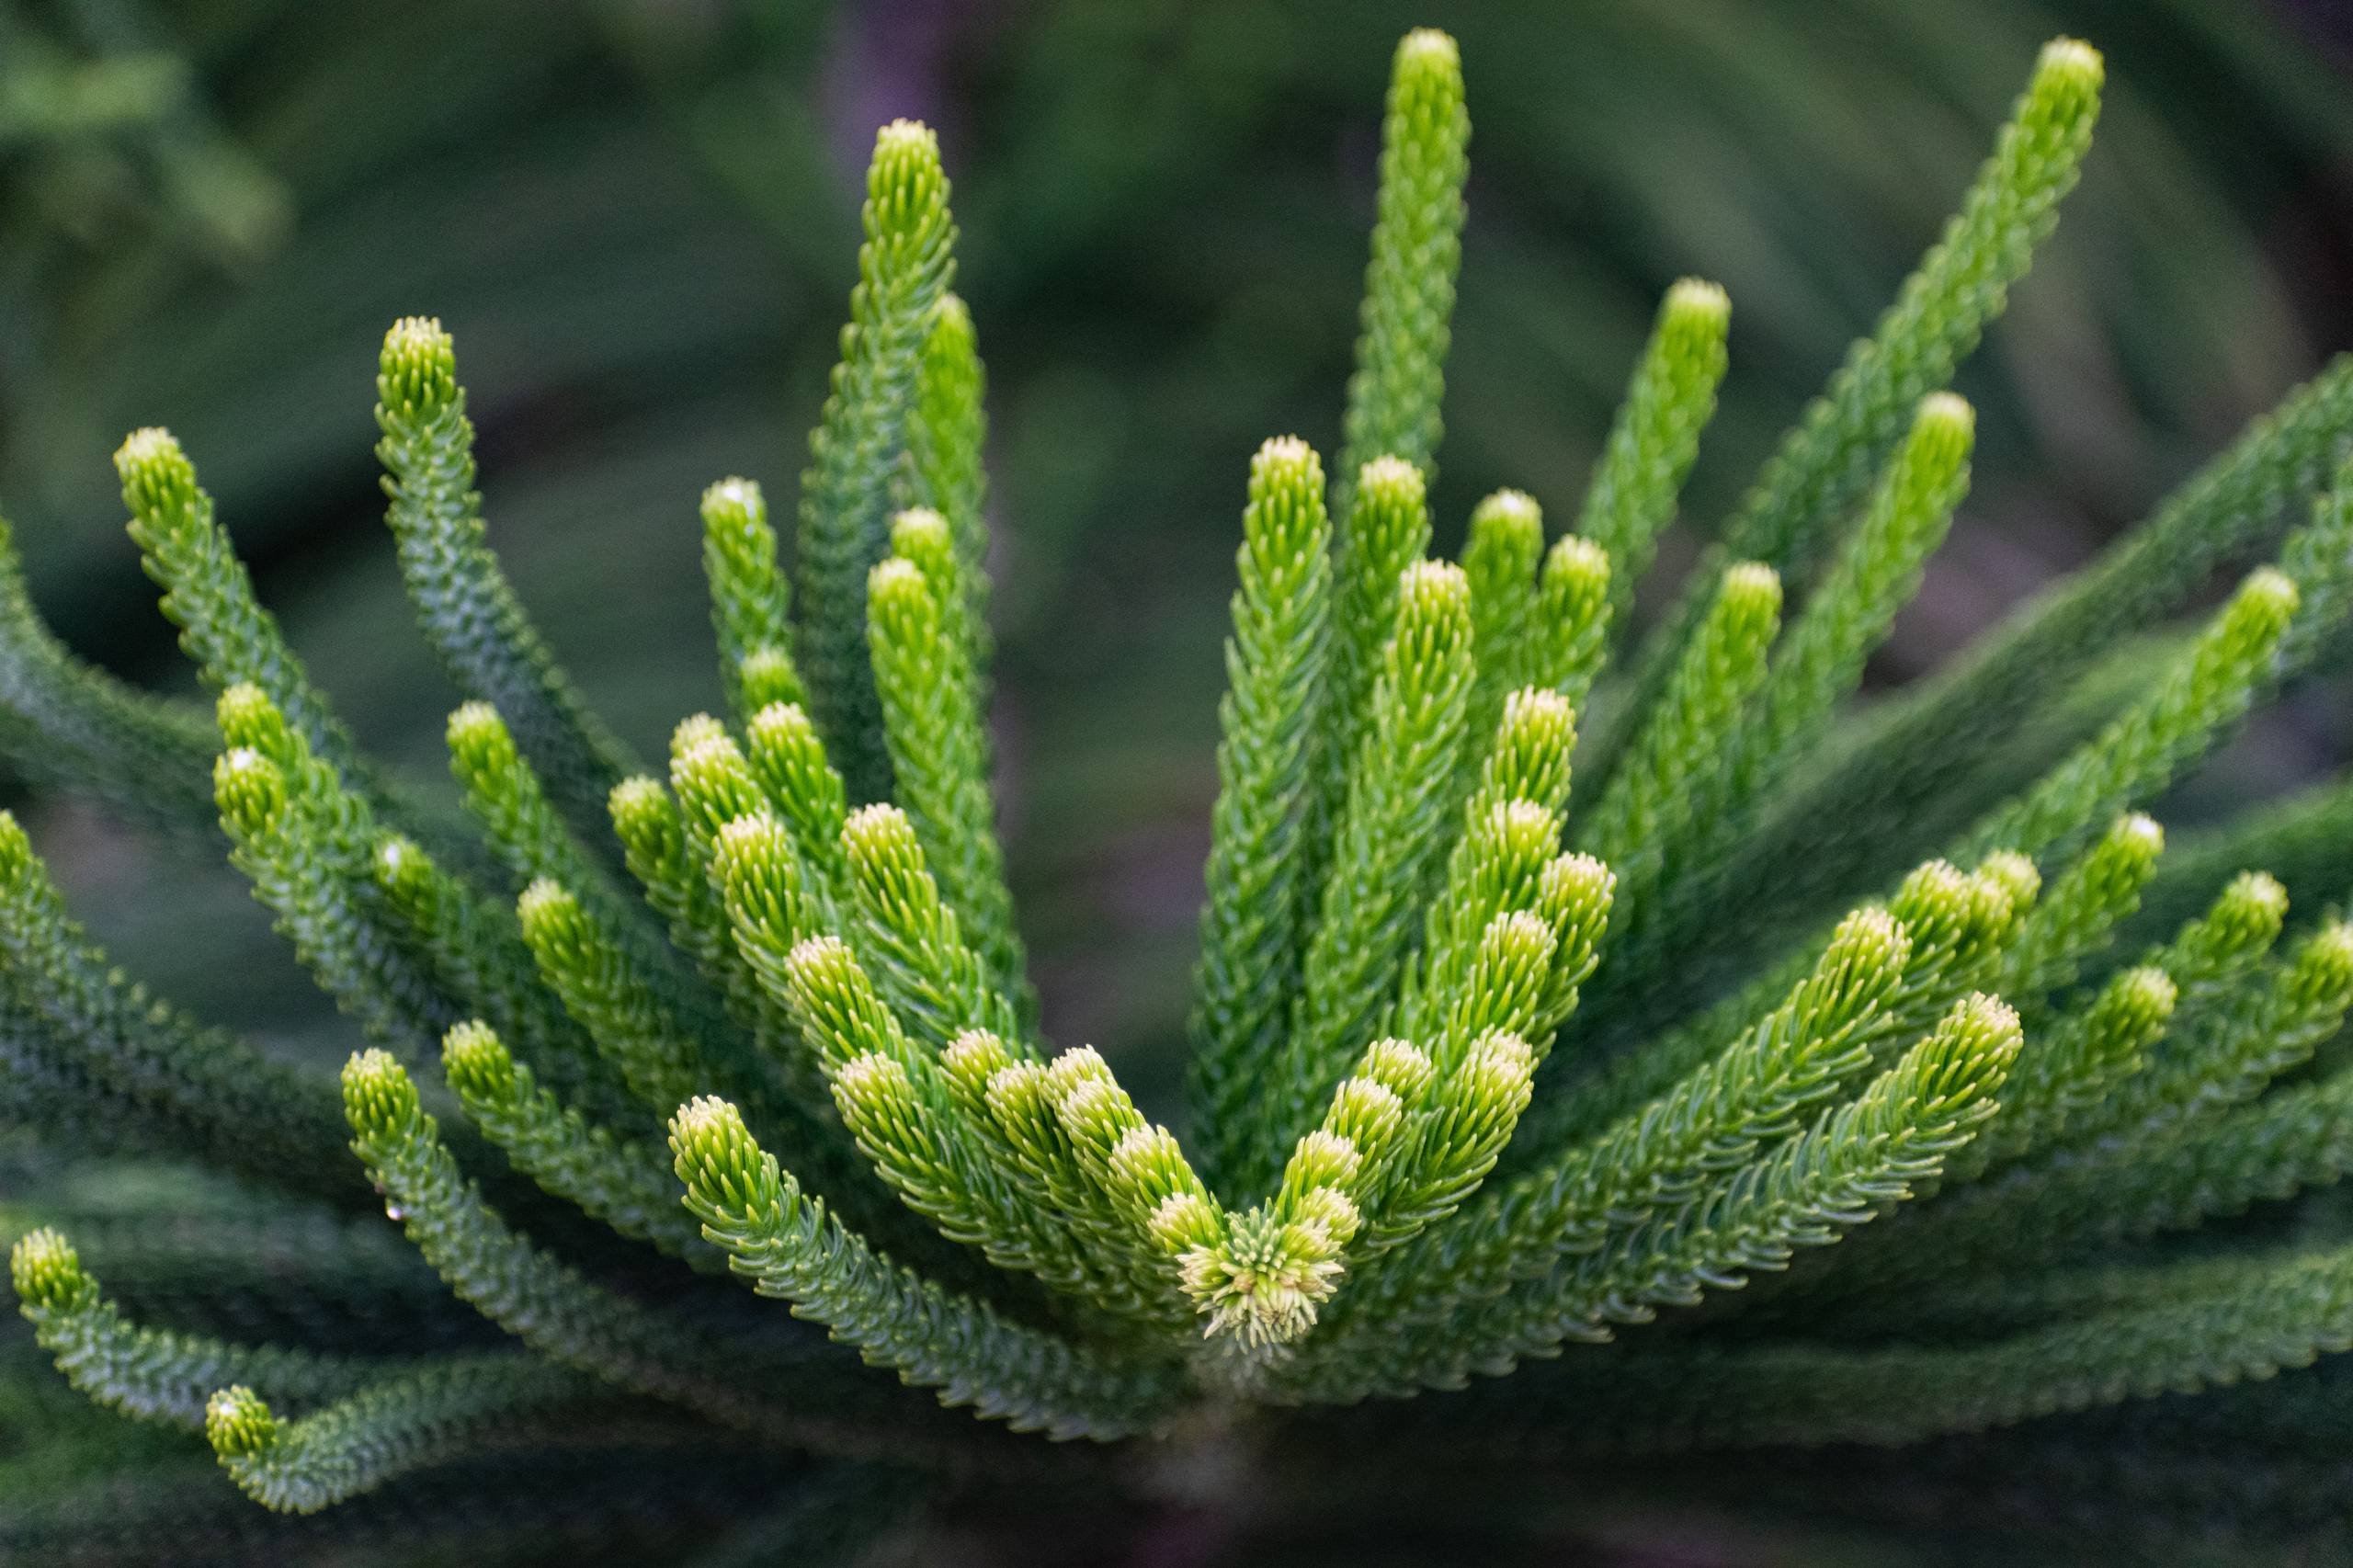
pixel 238 1422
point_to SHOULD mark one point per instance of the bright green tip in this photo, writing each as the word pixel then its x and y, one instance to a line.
pixel 47 1271
pixel 736 504
pixel 2326 960
pixel 249 789
pixel 878 832
pixel 905 138
pixel 750 851
pixel 1753 590
pixel 1947 409
pixel 1426 48
pixel 477 735
pixel 238 1422
pixel 1508 516
pixel 1576 880
pixel 2149 993
pixel 476 1062
pixel 2266 599
pixel 1390 483
pixel 1262 1284
pixel 549 914
pixel 1285 462
pixel 152 464
pixel 17 858
pixel 1576 561
pixel 712 1150
pixel 247 717
pixel 896 583
pixel 693 731
pixel 1695 303
pixel 2258 896
pixel 1872 938
pixel 1943 429
pixel 417 371
pixel 2071 61
pixel 951 314
pixel 378 1095
pixel 906 188
pixel 2142 834
pixel 635 802
pixel 402 869
pixel 1431 590
pixel 782 726
pixel 2015 875
pixel 919 532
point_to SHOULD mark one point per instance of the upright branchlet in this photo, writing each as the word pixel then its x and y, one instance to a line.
pixel 1669 787
pixel 750 599
pixel 938 748
pixel 1408 309
pixel 1500 560
pixel 1631 497
pixel 463 601
pixel 1962 284
pixel 1384 850
pixel 1574 616
pixel 1253 914
pixel 903 268
pixel 947 431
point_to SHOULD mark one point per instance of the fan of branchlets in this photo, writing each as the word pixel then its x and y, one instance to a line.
pixel 1514 1029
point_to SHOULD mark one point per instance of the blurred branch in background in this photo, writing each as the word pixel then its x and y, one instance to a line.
pixel 635 214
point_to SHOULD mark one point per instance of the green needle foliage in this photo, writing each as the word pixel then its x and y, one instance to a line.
pixel 1509 1046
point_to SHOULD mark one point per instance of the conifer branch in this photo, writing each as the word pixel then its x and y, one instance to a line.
pixel 904 266
pixel 2211 687
pixel 1389 835
pixel 386 1429
pixel 936 981
pixel 1851 1163
pixel 208 595
pixel 796 1395
pixel 1385 530
pixel 1893 774
pixel 785 1243
pixel 479 960
pixel 947 434
pixel 152 1374
pixel 751 601
pixel 464 604
pixel 924 674
pixel 1713 1120
pixel 1500 560
pixel 1408 316
pixel 790 762
pixel 1253 912
pixel 2074 919
pixel 1404 922
pixel 623 1183
pixel 1666 793
pixel 1573 616
pixel 1961 285
pixel 306 843
pixel 1656 436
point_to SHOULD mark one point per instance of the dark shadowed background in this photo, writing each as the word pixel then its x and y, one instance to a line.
pixel 639 219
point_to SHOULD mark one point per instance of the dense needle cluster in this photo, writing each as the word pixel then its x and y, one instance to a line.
pixel 1520 1035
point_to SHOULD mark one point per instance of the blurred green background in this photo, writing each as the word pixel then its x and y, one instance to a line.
pixel 638 217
